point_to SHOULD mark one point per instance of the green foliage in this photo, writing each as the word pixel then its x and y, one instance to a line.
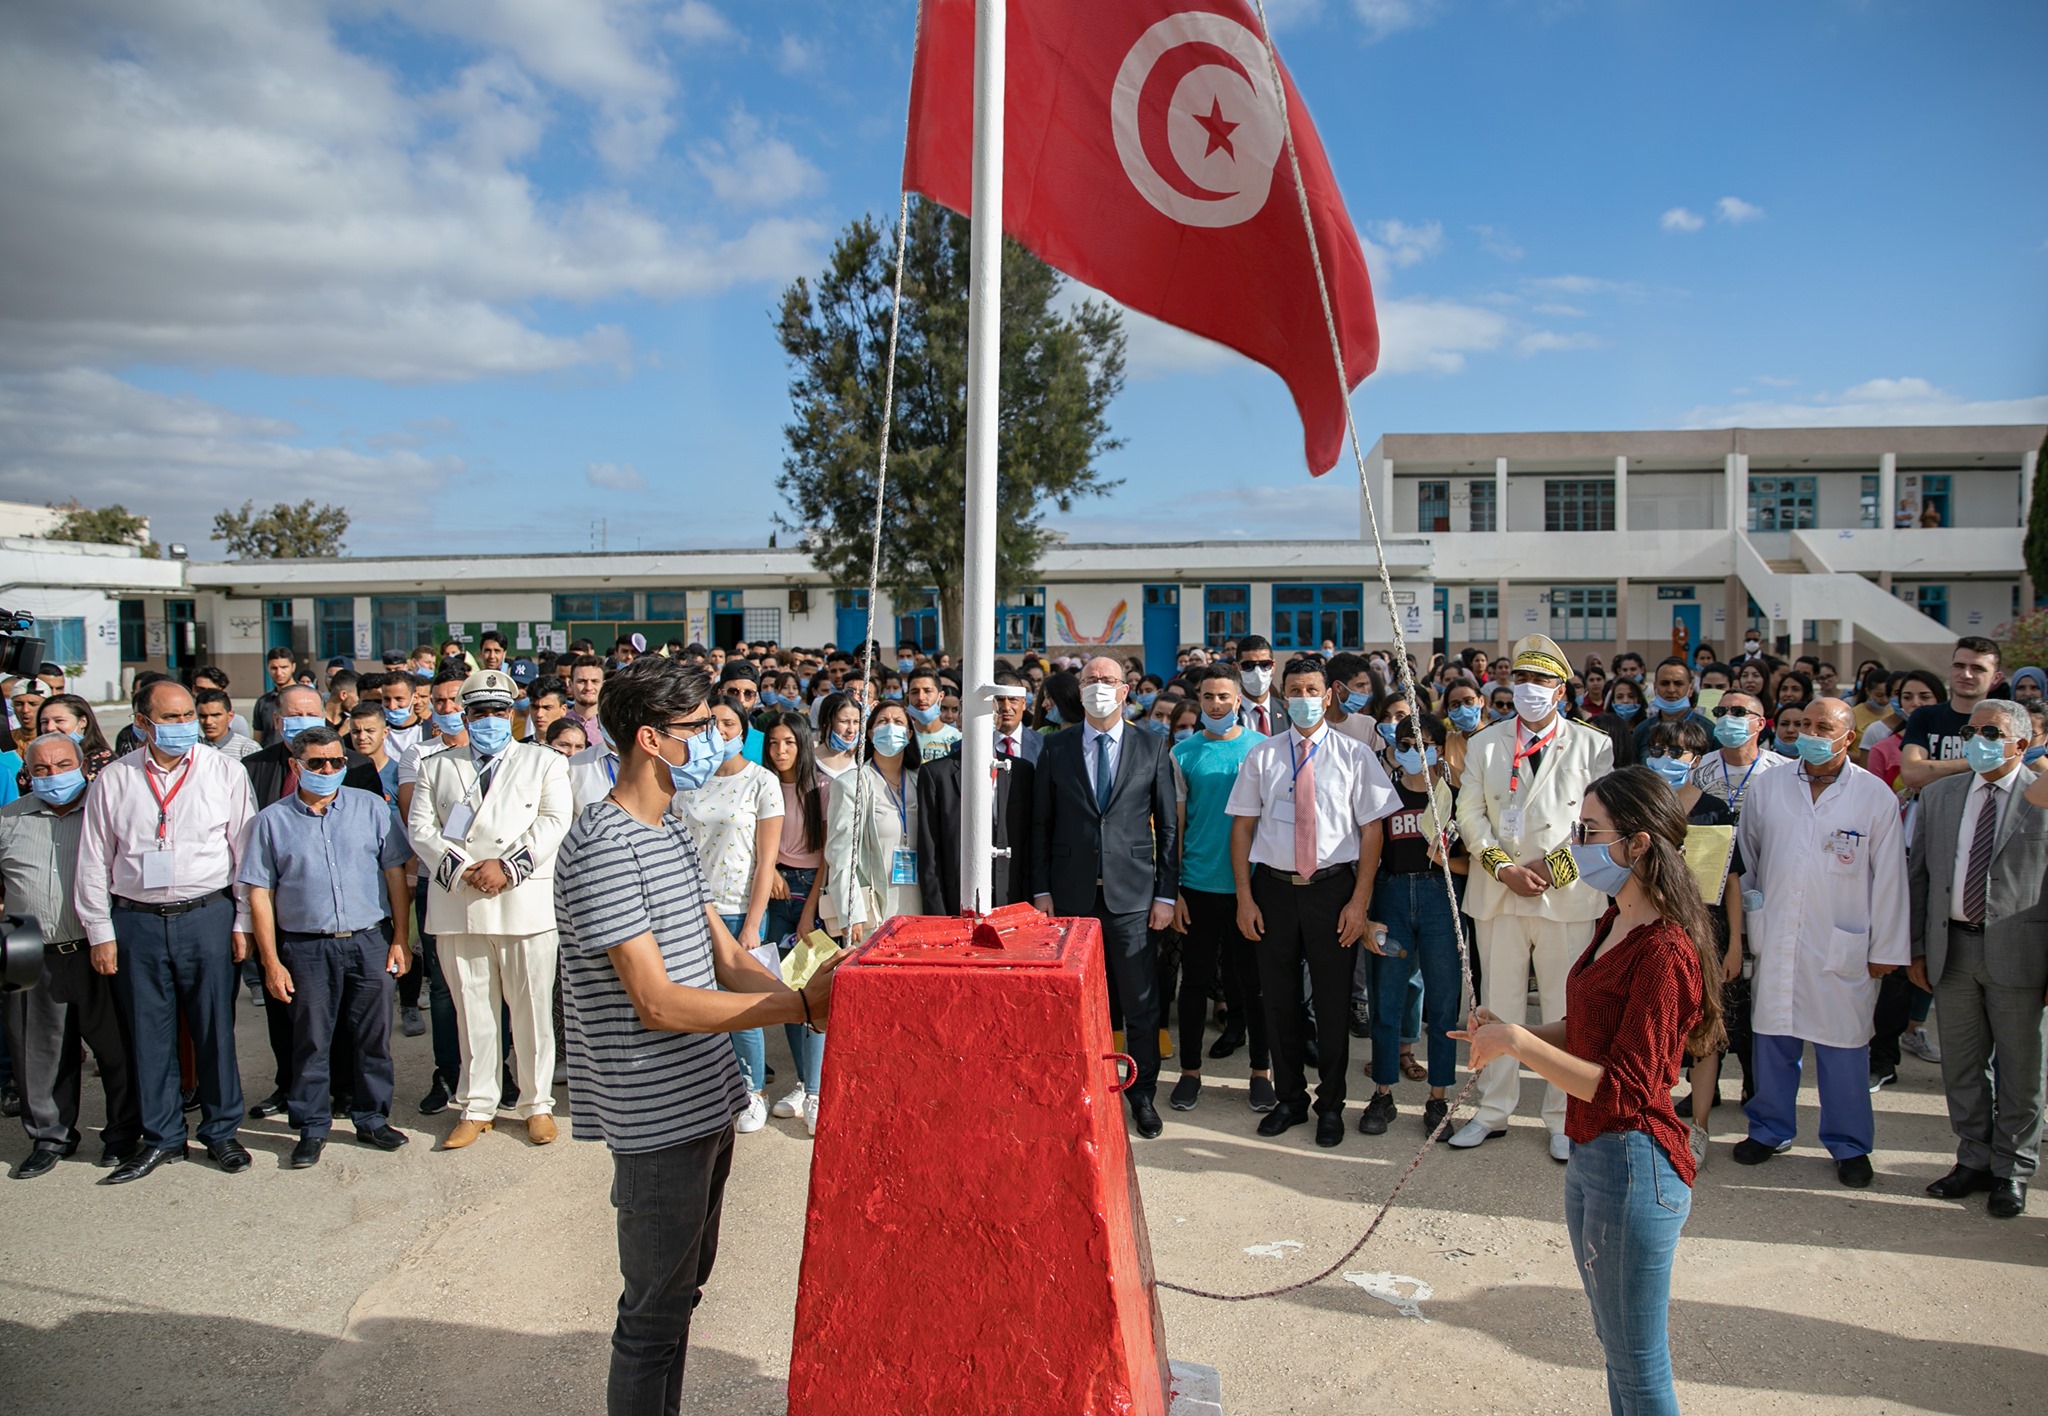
pixel 2036 546
pixel 285 532
pixel 1060 369
pixel 2024 641
pixel 102 526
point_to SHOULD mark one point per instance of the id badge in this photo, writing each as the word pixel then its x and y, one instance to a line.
pixel 458 823
pixel 1842 846
pixel 1511 823
pixel 159 870
pixel 903 868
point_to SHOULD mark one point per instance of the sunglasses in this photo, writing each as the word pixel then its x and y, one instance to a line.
pixel 1988 734
pixel 322 764
pixel 1732 711
pixel 1580 830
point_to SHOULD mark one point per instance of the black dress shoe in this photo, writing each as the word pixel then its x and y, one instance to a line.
pixel 272 1105
pixel 10 1099
pixel 40 1161
pixel 306 1154
pixel 1749 1152
pixel 2008 1199
pixel 113 1155
pixel 384 1138
pixel 1145 1117
pixel 143 1162
pixel 1854 1172
pixel 1276 1121
pixel 1228 1042
pixel 1962 1181
pixel 1329 1129
pixel 230 1155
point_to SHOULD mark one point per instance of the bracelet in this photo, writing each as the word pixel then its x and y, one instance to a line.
pixel 805 999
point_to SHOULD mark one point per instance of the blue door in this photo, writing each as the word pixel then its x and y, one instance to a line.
pixel 1162 629
pixel 850 620
pixel 1686 617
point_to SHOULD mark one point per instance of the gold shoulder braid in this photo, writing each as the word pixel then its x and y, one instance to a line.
pixel 1563 869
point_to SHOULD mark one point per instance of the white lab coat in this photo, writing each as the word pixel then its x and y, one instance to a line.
pixel 1824 919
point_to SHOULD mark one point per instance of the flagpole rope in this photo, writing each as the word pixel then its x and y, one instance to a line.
pixel 1401 663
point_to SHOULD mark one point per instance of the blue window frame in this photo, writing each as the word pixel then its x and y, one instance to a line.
pixel 1932 601
pixel 1020 622
pixel 277 624
pixel 1226 613
pixel 597 605
pixel 667 605
pixel 134 632
pixel 63 640
pixel 1582 612
pixel 334 619
pixel 404 622
pixel 1782 504
pixel 1305 615
pixel 917 621
pixel 1581 504
pixel 1934 493
pixel 1432 506
pixel 1482 612
pixel 1485 506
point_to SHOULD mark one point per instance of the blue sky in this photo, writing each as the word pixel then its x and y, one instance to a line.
pixel 491 271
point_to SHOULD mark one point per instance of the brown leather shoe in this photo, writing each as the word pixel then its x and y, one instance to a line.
pixel 540 1128
pixel 465 1133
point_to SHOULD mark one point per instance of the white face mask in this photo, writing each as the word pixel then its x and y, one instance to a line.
pixel 1257 679
pixel 1099 699
pixel 1534 702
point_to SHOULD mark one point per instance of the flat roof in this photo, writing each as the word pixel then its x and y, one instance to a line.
pixel 1992 443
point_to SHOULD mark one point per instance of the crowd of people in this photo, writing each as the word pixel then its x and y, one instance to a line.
pixel 599 859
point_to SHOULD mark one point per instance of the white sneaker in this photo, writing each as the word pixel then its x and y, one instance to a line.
pixel 1472 1134
pixel 791 1105
pixel 811 1113
pixel 1560 1146
pixel 754 1117
pixel 1920 1044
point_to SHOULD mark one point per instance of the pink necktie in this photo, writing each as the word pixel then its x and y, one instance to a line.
pixel 1305 818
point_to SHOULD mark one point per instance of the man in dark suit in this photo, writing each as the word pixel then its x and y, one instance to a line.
pixel 1013 739
pixel 938 833
pixel 274 775
pixel 1979 857
pixel 1105 844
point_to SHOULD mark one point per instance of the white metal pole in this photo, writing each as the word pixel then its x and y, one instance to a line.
pixel 978 598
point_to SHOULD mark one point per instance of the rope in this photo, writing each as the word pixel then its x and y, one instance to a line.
pixel 1401 664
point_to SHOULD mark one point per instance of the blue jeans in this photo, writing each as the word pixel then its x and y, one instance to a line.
pixel 1417 914
pixel 750 1046
pixel 807 1047
pixel 1624 1206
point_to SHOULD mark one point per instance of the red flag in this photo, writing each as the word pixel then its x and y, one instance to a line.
pixel 1144 155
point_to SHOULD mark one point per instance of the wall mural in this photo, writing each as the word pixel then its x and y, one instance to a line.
pixel 1065 631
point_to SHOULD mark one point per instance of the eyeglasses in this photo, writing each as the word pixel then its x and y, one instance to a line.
pixel 1672 752
pixel 1989 734
pixel 1580 830
pixel 1733 710
pixel 322 764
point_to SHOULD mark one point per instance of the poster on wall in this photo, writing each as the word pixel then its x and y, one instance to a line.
pixel 523 641
pixel 1067 630
pixel 363 649
pixel 697 628
pixel 155 635
pixel 1411 621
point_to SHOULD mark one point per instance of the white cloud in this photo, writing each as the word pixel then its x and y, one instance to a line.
pixel 1400 243
pixel 1581 285
pixel 1496 242
pixel 750 169
pixel 615 477
pixel 1430 336
pixel 700 23
pixel 1559 311
pixel 1328 503
pixel 1384 17
pixel 1874 403
pixel 227 186
pixel 1681 219
pixel 1771 381
pixel 1546 341
pixel 1736 211
pixel 795 54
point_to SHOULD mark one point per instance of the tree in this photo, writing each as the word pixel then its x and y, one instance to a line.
pixel 285 532
pixel 2036 545
pixel 1060 369
pixel 102 526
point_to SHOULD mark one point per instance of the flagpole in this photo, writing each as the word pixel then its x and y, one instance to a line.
pixel 984 330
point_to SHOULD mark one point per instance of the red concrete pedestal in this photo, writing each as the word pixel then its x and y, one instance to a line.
pixel 974 1240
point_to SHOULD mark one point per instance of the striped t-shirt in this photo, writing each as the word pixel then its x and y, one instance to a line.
pixel 630 1086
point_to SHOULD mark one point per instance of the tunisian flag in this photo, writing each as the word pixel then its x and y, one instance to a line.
pixel 1144 155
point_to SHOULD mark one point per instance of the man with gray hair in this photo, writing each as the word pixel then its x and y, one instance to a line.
pixel 73 1002
pixel 1979 857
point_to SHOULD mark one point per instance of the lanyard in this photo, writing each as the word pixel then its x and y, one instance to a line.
pixel 1535 746
pixel 611 767
pixel 1302 761
pixel 900 800
pixel 163 802
pixel 1735 792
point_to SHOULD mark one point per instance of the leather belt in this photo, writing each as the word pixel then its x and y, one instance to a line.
pixel 175 907
pixel 66 946
pixel 327 933
pixel 1289 878
pixel 1965 926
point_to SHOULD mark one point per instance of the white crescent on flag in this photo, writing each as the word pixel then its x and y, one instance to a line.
pixel 1203 151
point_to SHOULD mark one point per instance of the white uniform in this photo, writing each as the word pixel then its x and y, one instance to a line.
pixel 1832 874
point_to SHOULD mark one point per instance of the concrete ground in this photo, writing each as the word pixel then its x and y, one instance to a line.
pixel 483 1280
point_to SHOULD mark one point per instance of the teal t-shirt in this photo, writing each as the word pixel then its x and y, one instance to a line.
pixel 1209 767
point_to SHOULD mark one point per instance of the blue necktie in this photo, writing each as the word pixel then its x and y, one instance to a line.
pixel 1102 778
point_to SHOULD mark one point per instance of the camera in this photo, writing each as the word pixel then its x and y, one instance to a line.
pixel 21 653
pixel 21 953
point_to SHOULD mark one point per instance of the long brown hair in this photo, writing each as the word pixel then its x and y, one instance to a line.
pixel 1639 803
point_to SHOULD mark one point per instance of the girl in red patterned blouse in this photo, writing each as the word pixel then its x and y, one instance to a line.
pixel 1645 990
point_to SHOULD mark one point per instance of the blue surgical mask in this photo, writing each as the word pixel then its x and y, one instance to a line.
pixel 1498 716
pixel 1465 717
pixel 1387 730
pixel 1305 712
pixel 1052 714
pixel 904 666
pixel 1816 751
pixel 1675 771
pixel 1984 756
pixel 1356 702
pixel 1597 867
pixel 1627 710
pixel 397 717
pixel 2034 754
pixel 1731 731
pixel 490 736
pixel 731 747
pixel 1146 700
pixel 840 741
pixel 1219 726
pixel 448 724
pixel 59 788
pixel 770 698
pixel 1156 725
pixel 523 704
pixel 1415 763
pixel 175 739
pixel 78 738
pixel 321 783
pixel 923 717
pixel 701 762
pixel 1668 707
pixel 1183 734
pixel 295 723
pixel 891 738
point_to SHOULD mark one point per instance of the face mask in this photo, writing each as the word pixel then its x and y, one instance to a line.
pixel 1387 731
pixel 1146 700
pixel 1597 867
pixel 447 724
pixel 175 739
pixel 2034 754
pixel 1099 699
pixel 1984 756
pixel 1731 731
pixel 1498 716
pixel 1816 751
pixel 803 683
pixel 522 704
pixel 78 738
pixel 1157 725
pixel 1219 726
pixel 321 784
pixel 1052 714
pixel 1305 712
pixel 840 741
pixel 770 699
pixel 892 698
pixel 1627 710
pixel 1415 763
pixel 1465 717
pixel 1183 734
pixel 701 761
pixel 904 666
pixel 59 788
pixel 924 717
pixel 891 738
pixel 397 717
pixel 490 736
pixel 1675 771
pixel 1534 702
pixel 1668 707
pixel 1257 679
pixel 297 723
pixel 1356 702
pixel 1749 646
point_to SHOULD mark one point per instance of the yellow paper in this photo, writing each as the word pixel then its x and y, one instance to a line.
pixel 812 952
pixel 1707 699
pixel 1707 850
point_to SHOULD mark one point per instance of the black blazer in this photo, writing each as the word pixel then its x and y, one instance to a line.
pixel 269 766
pixel 938 834
pixel 1133 848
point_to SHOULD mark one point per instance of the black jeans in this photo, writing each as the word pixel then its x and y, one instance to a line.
pixel 669 1202
pixel 340 991
pixel 1212 943
pixel 1301 925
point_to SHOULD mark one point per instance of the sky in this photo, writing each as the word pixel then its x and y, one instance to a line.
pixel 498 275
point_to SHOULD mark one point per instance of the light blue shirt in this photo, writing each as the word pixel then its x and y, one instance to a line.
pixel 325 868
